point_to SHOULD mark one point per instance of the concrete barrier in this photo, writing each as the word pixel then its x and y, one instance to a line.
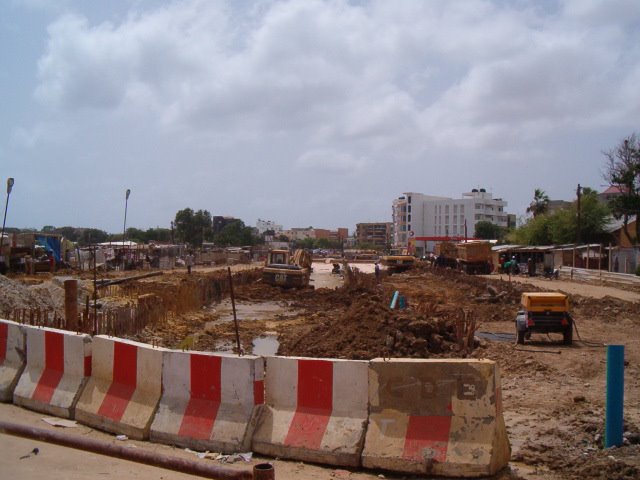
pixel 436 417
pixel 208 401
pixel 316 410
pixel 124 389
pixel 12 357
pixel 58 364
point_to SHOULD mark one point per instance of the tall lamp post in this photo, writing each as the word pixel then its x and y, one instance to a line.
pixel 124 229
pixel 10 183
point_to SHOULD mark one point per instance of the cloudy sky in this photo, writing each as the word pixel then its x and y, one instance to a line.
pixel 305 112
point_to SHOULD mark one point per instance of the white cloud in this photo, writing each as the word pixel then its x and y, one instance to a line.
pixel 328 161
pixel 338 87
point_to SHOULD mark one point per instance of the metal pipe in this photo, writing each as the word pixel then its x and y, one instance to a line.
pixel 263 471
pixel 107 282
pixel 233 305
pixel 394 299
pixel 615 396
pixel 126 453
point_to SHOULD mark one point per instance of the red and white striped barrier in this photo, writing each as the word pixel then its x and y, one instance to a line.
pixel 124 389
pixel 436 417
pixel 316 410
pixel 58 364
pixel 208 400
pixel 12 357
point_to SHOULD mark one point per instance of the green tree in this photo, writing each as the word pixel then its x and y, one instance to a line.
pixel 323 243
pixel 540 203
pixel 70 233
pixel 489 231
pixel 158 234
pixel 561 226
pixel 193 227
pixel 306 243
pixel 136 235
pixel 623 171
pixel 90 236
pixel 235 234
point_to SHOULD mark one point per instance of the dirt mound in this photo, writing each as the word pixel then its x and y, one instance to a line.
pixel 355 322
pixel 17 295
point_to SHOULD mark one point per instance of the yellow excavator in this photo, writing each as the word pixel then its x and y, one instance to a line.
pixel 285 270
pixel 398 261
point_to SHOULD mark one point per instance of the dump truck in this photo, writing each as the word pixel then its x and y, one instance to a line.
pixel 446 254
pixel 285 270
pixel 473 257
pixel 544 312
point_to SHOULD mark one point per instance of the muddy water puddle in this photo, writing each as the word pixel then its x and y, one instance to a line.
pixel 252 311
pixel 264 345
pixel 497 337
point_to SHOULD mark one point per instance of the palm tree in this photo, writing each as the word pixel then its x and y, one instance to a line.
pixel 540 203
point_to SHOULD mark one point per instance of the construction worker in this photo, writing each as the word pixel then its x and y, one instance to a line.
pixel 189 262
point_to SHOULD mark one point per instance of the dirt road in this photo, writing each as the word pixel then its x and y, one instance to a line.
pixel 60 463
pixel 574 288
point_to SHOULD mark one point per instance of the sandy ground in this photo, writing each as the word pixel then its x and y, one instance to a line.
pixel 553 395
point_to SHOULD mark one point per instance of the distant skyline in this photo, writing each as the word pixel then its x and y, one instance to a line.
pixel 306 112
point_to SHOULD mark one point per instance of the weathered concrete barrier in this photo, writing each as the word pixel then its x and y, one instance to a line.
pixel 436 417
pixel 315 410
pixel 124 389
pixel 208 400
pixel 12 357
pixel 58 364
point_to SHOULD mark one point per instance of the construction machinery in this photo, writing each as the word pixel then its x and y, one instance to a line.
pixel 544 312
pixel 397 263
pixel 285 270
pixel 473 257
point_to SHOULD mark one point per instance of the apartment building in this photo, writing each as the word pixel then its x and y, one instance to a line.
pixel 377 234
pixel 340 234
pixel 420 220
pixel 268 225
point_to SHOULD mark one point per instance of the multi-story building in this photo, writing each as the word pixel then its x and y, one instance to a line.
pixel 377 234
pixel 267 225
pixel 340 234
pixel 297 233
pixel 421 220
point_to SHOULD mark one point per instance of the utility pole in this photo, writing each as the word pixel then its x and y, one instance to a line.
pixel 124 230
pixel 10 182
pixel 579 232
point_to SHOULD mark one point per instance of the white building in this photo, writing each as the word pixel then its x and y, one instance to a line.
pixel 265 225
pixel 421 220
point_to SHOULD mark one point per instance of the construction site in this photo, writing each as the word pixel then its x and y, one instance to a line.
pixel 551 395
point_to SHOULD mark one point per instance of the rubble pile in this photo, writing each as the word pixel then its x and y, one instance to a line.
pixel 17 295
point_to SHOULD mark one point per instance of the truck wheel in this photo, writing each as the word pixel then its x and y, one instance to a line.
pixel 567 335
pixel 520 337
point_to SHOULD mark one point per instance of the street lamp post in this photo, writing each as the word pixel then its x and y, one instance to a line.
pixel 10 183
pixel 124 229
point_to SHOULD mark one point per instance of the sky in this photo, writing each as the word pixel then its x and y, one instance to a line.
pixel 307 113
